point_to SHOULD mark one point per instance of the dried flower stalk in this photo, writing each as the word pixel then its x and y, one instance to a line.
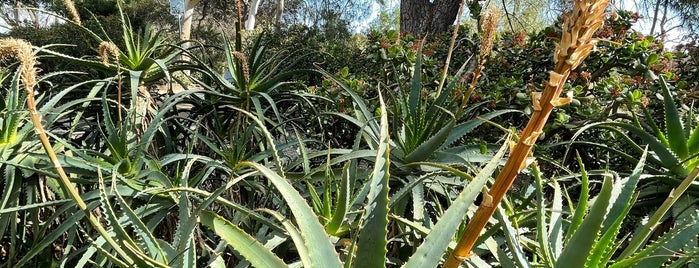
pixel 23 52
pixel 489 23
pixel 73 11
pixel 451 47
pixel 575 45
pixel 244 62
pixel 106 49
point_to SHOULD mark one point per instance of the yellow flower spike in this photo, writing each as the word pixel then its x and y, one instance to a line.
pixel 73 11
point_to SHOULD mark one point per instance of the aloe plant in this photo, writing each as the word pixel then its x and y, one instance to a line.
pixel 592 236
pixel 674 148
pixel 145 54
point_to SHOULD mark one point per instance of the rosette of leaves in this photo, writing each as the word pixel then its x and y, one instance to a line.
pixel 592 235
pixel 674 143
pixel 146 56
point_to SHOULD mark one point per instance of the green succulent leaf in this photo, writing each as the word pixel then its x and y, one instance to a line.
pixel 373 237
pixel 581 243
pixel 673 123
pixel 429 254
pixel 321 251
pixel 246 245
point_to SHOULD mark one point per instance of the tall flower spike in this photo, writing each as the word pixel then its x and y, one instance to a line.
pixel 72 10
pixel 489 23
pixel 22 51
pixel 578 28
pixel 106 49
pixel 575 45
pixel 244 62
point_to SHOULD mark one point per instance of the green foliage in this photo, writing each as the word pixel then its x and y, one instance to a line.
pixel 358 164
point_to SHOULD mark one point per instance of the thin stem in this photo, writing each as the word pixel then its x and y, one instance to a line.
pixel 575 45
pixel 451 48
pixel 65 181
pixel 515 163
pixel 472 86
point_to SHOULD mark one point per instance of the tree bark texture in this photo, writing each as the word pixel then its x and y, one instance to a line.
pixel 422 17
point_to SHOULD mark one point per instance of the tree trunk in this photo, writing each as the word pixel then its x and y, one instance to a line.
pixel 250 22
pixel 278 13
pixel 422 17
pixel 186 26
pixel 655 17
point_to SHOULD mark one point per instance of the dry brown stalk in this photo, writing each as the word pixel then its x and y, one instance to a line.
pixel 451 47
pixel 489 23
pixel 575 45
pixel 244 62
pixel 73 11
pixel 105 50
pixel 23 52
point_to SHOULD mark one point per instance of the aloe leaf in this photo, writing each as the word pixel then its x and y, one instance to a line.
pixel 505 261
pixel 464 128
pixel 429 253
pixel 656 253
pixel 321 251
pixel 359 154
pixel 151 243
pixel 519 259
pixel 604 248
pixel 555 226
pixel 357 100
pixel 685 258
pixel 316 202
pixel 117 227
pixel 425 149
pixel 238 240
pixel 305 162
pixel 295 235
pixel 625 197
pixel 66 225
pixel 418 200
pixel 673 123
pixel 581 243
pixel 415 90
pixel 342 201
pixel 541 228
pixel 12 185
pixel 159 118
pixel 664 154
pixel 183 240
pixel 270 141
pixel 640 236
pixel 372 239
pixel 693 141
pixel 405 190
pixel 625 156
